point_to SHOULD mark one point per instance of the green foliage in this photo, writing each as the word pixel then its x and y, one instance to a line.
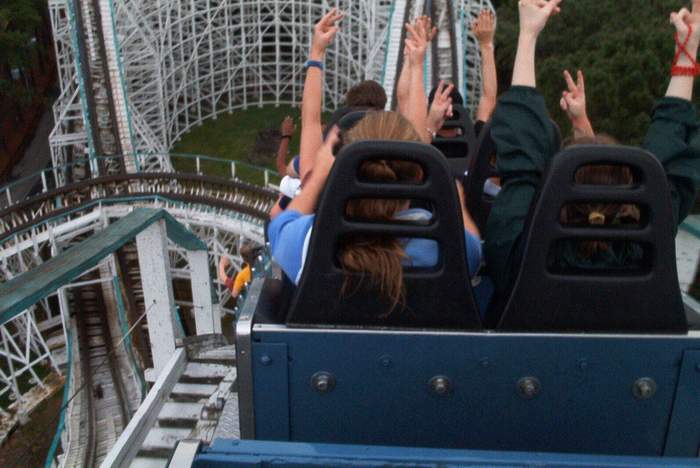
pixel 19 20
pixel 624 47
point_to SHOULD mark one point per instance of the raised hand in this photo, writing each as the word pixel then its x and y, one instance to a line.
pixel 441 108
pixel 288 127
pixel 535 13
pixel 484 27
pixel 573 100
pixel 324 32
pixel 683 21
pixel 685 66
pixel 429 30
pixel 420 33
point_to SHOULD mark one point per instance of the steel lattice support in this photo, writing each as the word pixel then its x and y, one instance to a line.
pixel 186 61
pixel 180 62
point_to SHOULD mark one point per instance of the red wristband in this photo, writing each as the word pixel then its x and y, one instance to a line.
pixel 679 70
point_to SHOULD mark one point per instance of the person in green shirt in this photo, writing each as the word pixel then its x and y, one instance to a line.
pixel 525 143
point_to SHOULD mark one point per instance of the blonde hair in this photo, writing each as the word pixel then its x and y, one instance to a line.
pixel 380 257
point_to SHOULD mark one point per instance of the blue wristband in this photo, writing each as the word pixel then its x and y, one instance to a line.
pixel 313 63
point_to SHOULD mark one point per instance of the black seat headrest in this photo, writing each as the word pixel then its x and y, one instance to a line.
pixel 339 114
pixel 480 169
pixel 642 298
pixel 350 120
pixel 436 297
pixel 457 149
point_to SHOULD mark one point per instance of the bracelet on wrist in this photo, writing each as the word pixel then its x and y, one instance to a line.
pixel 679 70
pixel 313 63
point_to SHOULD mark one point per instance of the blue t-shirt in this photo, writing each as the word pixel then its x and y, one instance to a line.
pixel 290 232
pixel 295 164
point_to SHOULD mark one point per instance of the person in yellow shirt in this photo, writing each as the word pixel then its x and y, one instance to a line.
pixel 244 276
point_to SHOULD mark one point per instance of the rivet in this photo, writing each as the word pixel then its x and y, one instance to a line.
pixel 529 387
pixel 583 364
pixel 484 363
pixel 385 361
pixel 323 382
pixel 265 360
pixel 644 388
pixel 440 385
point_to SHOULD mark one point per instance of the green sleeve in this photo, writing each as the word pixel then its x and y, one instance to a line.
pixel 524 139
pixel 673 137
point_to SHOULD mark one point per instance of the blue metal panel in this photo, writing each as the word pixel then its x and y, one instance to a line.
pixel 271 402
pixel 248 453
pixel 684 432
pixel 382 397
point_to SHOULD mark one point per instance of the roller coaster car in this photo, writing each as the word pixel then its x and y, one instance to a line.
pixel 581 363
pixel 457 149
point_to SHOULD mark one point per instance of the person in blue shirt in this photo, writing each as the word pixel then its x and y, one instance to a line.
pixel 382 258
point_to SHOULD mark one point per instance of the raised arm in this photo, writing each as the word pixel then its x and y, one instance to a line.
pixel 484 28
pixel 287 132
pixel 523 135
pixel 419 36
pixel 573 102
pixel 685 67
pixel 674 134
pixel 533 18
pixel 305 202
pixel 311 128
pixel 404 85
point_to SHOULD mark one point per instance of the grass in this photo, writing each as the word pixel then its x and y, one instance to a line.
pixel 233 137
pixel 29 444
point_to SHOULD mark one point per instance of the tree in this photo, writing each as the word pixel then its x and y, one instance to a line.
pixel 625 48
pixel 19 21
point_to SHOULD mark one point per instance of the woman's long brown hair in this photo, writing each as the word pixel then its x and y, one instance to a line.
pixel 379 257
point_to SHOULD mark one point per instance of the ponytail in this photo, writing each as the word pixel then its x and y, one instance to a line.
pixel 380 257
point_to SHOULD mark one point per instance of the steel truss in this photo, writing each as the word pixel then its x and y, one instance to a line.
pixel 23 345
pixel 180 62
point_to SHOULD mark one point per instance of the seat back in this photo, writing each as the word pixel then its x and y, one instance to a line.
pixel 481 167
pixel 449 303
pixel 645 298
pixel 351 119
pixel 339 114
pixel 457 149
